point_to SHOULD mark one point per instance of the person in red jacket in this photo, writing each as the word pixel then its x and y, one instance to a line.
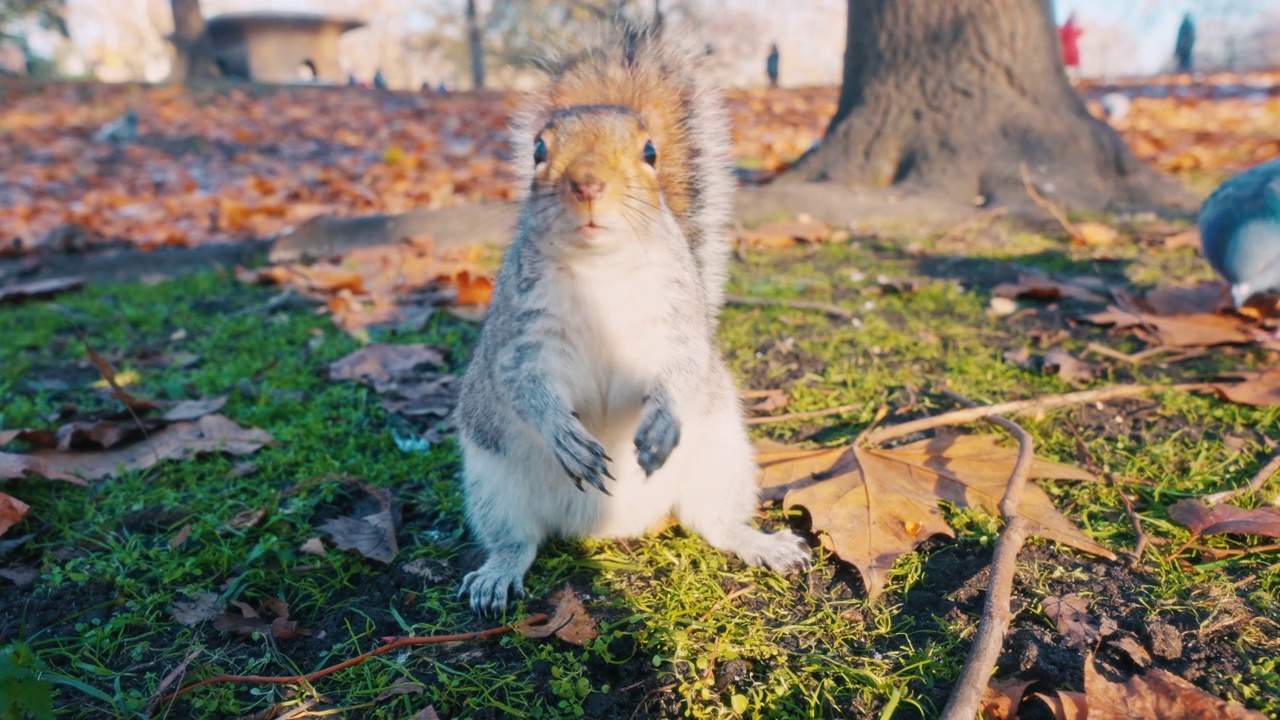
pixel 1070 34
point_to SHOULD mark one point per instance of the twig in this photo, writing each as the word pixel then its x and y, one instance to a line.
pixel 393 642
pixel 806 415
pixel 727 599
pixel 828 308
pixel 1046 203
pixel 1143 539
pixel 964 226
pixel 1260 478
pixel 996 612
pixel 1046 402
pixel 174 675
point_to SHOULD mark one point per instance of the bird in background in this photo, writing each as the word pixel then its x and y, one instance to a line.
pixel 1240 232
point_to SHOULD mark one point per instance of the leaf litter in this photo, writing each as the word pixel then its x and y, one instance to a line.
pixel 571 622
pixel 372 534
pixel 249 621
pixel 871 506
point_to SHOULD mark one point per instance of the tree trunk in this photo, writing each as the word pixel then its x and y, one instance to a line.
pixel 953 97
pixel 192 48
pixel 477 48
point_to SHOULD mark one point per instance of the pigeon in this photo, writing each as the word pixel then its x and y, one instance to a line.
pixel 1240 232
pixel 122 129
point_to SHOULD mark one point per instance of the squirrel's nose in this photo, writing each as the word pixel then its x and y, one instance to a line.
pixel 587 188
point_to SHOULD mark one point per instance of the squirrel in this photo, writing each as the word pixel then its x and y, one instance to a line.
pixel 597 362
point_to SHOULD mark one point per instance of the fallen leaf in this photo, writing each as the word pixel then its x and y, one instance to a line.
pixel 20 576
pixel 1199 330
pixel 771 236
pixel 372 535
pixel 244 520
pixel 202 606
pixel 1001 699
pixel 772 401
pixel 1021 357
pixel 211 433
pixel 426 713
pixel 194 409
pixel 1207 297
pixel 1260 388
pixel 13 467
pixel 1154 695
pixel 12 510
pixel 1133 649
pixel 1041 287
pixel 472 289
pixel 1202 519
pixel 403 686
pixel 871 506
pixel 39 289
pixel 181 536
pixel 1065 705
pixel 1068 367
pixel 385 366
pixel 570 622
pixel 109 375
pixel 1094 234
pixel 249 622
pixel 313 546
pixel 1071 615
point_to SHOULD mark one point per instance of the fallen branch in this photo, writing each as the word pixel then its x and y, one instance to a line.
pixel 806 415
pixel 828 308
pixel 997 612
pixel 1046 402
pixel 1260 478
pixel 1046 203
pixel 393 642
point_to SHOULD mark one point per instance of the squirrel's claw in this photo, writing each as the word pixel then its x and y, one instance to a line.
pixel 581 456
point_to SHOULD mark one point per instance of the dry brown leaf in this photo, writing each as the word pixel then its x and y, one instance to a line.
pixel 872 506
pixel 1040 287
pixel 20 576
pixel 1071 615
pixel 12 510
pixel 403 686
pixel 211 433
pixel 1207 297
pixel 772 401
pixel 248 621
pixel 1199 330
pixel 1189 238
pixel 14 466
pixel 244 520
pixel 1068 367
pixel 193 409
pixel 570 623
pixel 39 289
pixel 1094 234
pixel 180 537
pixel 117 392
pixel 426 713
pixel 776 235
pixel 373 535
pixel 1001 699
pixel 1065 705
pixel 313 546
pixel 1133 649
pixel 1155 695
pixel 384 366
pixel 1225 519
pixel 202 606
pixel 1260 388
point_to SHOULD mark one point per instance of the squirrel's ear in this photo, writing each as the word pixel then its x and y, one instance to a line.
pixel 539 152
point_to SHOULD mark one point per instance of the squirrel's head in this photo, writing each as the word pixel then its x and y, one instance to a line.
pixel 596 172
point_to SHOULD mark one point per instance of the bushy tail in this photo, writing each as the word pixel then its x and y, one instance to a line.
pixel 664 77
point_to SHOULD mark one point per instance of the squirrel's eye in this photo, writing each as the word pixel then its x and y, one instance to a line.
pixel 650 153
pixel 539 152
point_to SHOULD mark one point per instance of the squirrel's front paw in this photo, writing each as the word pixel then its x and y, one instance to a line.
pixel 658 435
pixel 581 455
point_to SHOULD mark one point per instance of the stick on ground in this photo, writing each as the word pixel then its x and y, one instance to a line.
pixel 1260 478
pixel 996 612
pixel 828 308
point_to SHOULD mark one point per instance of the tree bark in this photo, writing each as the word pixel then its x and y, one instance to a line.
pixel 952 97
pixel 477 47
pixel 193 48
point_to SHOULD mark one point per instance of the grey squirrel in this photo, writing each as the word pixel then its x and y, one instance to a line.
pixel 597 364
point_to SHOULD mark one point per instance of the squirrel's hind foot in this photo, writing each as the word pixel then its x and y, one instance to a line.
pixel 783 552
pixel 498 581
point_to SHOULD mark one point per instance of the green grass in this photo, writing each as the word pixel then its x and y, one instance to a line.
pixel 672 640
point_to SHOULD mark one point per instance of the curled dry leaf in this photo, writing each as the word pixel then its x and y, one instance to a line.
pixel 211 433
pixel 313 546
pixel 193 409
pixel 1071 615
pixel 1001 699
pixel 1260 388
pixel 14 466
pixel 1154 695
pixel 373 534
pixel 1065 705
pixel 1041 287
pixel 1198 330
pixel 871 506
pixel 1202 519
pixel 12 510
pixel 244 520
pixel 248 621
pixel 784 234
pixel 1068 367
pixel 570 622
pixel 39 289
pixel 409 378
pixel 202 606
pixel 1094 234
